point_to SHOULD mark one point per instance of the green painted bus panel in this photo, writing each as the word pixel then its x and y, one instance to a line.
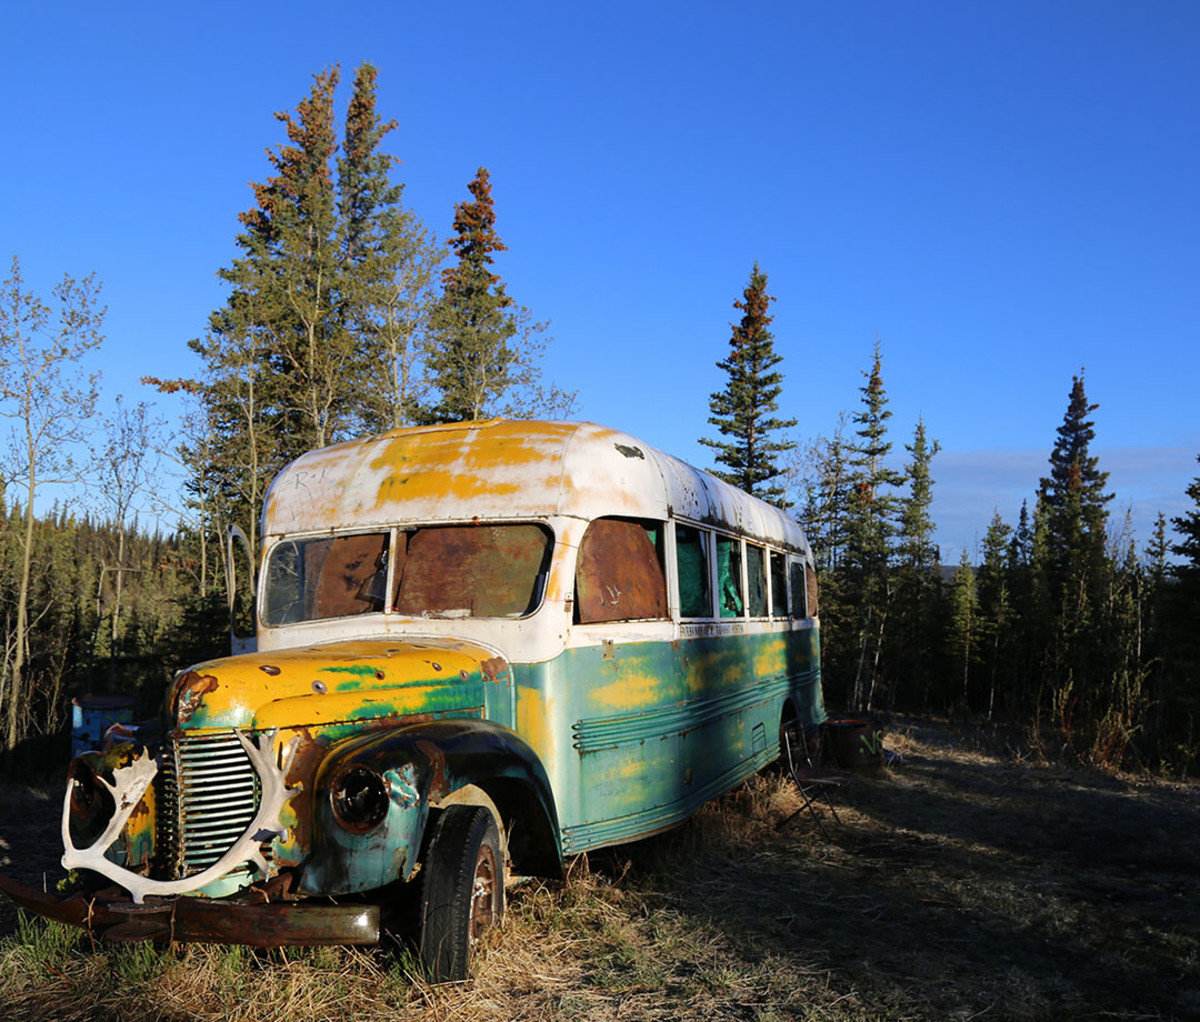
pixel 636 736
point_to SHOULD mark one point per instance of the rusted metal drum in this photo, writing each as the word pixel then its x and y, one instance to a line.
pixel 855 742
pixel 92 715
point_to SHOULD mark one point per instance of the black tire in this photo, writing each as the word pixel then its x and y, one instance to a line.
pixel 463 889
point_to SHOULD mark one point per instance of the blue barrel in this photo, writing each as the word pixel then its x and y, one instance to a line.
pixel 92 715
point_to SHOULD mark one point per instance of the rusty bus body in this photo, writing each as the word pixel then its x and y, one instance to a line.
pixel 496 643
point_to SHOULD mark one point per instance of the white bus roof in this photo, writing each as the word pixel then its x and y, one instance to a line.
pixel 507 469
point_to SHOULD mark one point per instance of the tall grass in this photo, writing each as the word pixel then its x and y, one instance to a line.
pixel 975 880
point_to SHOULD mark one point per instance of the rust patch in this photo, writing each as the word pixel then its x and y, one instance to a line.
pixel 190 693
pixel 439 787
pixel 494 669
pixel 619 577
pixel 270 669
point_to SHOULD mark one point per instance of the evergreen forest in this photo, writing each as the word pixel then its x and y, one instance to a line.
pixel 345 315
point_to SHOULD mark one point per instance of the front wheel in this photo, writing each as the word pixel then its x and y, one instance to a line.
pixel 463 892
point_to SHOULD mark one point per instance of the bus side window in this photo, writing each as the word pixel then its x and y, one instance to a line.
pixel 729 572
pixel 779 600
pixel 811 577
pixel 798 588
pixel 619 575
pixel 756 582
pixel 691 558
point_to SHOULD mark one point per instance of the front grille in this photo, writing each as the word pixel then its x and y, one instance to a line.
pixel 209 795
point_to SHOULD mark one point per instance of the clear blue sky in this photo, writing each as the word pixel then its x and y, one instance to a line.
pixel 1001 192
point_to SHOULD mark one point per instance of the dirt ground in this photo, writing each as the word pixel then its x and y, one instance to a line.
pixel 968 880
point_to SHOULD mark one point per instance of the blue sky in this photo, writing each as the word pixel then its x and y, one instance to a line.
pixel 1001 192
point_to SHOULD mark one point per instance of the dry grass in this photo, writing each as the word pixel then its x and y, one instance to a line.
pixel 970 881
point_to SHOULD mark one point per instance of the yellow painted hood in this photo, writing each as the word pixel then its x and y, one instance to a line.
pixel 335 682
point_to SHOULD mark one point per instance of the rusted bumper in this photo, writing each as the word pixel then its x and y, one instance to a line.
pixel 277 924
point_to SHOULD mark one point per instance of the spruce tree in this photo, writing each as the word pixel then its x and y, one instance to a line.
pixel 1181 612
pixel 1187 526
pixel 742 412
pixel 916 547
pixel 918 582
pixel 1073 576
pixel 964 630
pixel 1074 491
pixel 996 610
pixel 392 261
pixel 484 348
pixel 871 531
pixel 323 315
pixel 474 327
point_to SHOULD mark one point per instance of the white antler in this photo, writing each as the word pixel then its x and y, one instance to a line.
pixel 128 787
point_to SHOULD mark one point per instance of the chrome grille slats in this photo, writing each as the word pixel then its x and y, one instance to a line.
pixel 167 849
pixel 215 793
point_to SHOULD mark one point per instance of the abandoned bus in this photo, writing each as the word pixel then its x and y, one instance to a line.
pixel 480 648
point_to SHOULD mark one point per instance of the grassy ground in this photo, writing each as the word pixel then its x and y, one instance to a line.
pixel 968 881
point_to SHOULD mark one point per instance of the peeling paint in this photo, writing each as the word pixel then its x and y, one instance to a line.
pixel 439 787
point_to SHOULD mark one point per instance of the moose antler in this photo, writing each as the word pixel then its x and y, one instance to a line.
pixel 129 785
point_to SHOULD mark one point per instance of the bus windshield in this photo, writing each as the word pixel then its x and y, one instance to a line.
pixel 441 571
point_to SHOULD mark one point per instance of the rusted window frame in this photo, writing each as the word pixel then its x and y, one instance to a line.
pixel 264 604
pixel 393 534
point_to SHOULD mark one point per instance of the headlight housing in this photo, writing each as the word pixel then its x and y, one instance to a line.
pixel 359 798
pixel 91 802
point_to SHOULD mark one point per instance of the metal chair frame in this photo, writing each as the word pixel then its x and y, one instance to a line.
pixel 811 781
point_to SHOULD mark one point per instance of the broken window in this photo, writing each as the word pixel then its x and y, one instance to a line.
pixel 756 582
pixel 796 567
pixel 691 561
pixel 473 570
pixel 779 600
pixel 619 575
pixel 729 575
pixel 323 578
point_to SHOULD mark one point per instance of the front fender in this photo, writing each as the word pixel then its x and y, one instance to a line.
pixel 423 765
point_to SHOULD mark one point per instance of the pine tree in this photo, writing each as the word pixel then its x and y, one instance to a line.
pixel 392 261
pixel 918 581
pixel 821 479
pixel 823 484
pixel 916 547
pixel 1074 491
pixel 474 326
pixel 743 410
pixel 997 613
pixel 484 349
pixel 871 530
pixel 1187 526
pixel 1181 610
pixel 1074 574
pixel 964 628
pixel 328 298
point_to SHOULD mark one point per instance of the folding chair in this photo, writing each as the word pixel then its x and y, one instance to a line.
pixel 811 781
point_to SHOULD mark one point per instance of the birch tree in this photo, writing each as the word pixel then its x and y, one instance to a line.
pixel 47 398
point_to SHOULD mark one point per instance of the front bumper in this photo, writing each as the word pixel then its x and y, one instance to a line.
pixel 111 915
